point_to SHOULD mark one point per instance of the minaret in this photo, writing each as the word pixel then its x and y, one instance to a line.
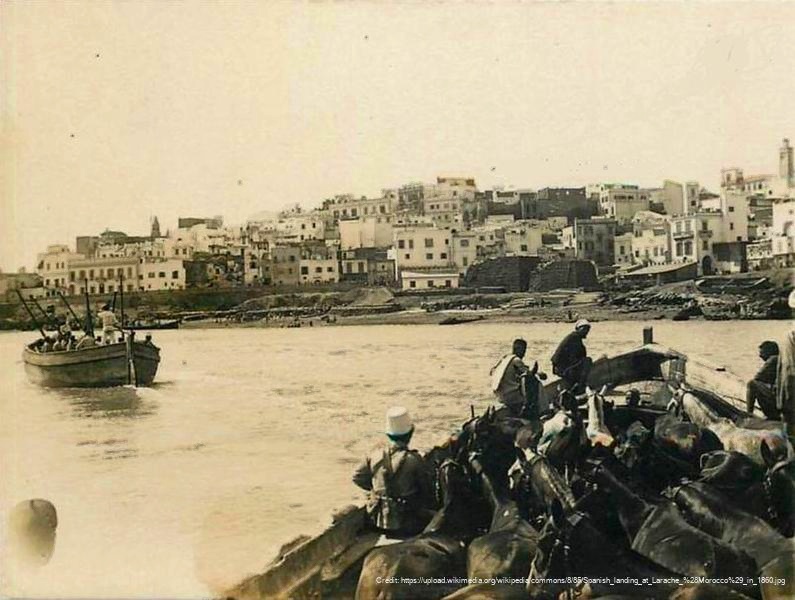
pixel 786 170
pixel 155 228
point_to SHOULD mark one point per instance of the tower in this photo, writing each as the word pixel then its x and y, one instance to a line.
pixel 786 170
pixel 155 228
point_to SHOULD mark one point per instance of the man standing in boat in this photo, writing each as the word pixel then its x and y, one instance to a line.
pixel 516 384
pixel 761 389
pixel 570 361
pixel 109 324
pixel 398 480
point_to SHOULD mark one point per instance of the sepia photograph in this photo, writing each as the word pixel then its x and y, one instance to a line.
pixel 397 300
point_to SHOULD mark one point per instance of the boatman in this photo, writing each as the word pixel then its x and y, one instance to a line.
pixel 516 384
pixel 762 388
pixel 400 500
pixel 570 361
pixel 109 324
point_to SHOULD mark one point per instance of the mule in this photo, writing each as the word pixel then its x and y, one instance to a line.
pixel 710 511
pixel 746 439
pixel 656 530
pixel 439 553
pixel 779 487
pixel 509 545
pixel 572 547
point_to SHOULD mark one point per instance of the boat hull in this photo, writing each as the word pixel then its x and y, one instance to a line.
pixel 99 366
pixel 173 324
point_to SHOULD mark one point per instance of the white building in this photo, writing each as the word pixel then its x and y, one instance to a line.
pixel 783 232
pixel 366 232
pixel 692 238
pixel 427 280
pixel 671 196
pixel 620 201
pixel 53 268
pixel 422 247
pixel 157 275
pixel 623 244
pixel 523 239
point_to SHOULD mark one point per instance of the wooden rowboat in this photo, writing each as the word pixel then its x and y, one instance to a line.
pixel 153 324
pixel 98 366
pixel 328 565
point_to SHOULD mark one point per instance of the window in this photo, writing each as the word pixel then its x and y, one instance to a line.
pixel 448 283
pixel 318 269
pixel 330 269
pixel 110 287
pixel 110 273
pixel 303 225
pixel 429 242
pixel 465 261
pixel 637 253
pixel 82 275
pixel 411 244
pixel 407 256
pixel 412 283
pixel 523 247
pixel 621 250
pixel 731 226
pixel 401 244
pixel 688 248
pixel 429 256
pixel 443 255
pixel 162 274
pixel 174 274
pixel 129 272
pixel 731 209
pixel 679 248
pixel 151 275
pixel 292 258
pixel 705 245
pixel 704 226
pixel 430 283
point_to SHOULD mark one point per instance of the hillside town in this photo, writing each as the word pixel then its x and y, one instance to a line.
pixel 448 234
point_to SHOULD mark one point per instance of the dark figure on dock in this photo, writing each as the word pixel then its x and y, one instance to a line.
pixel 785 383
pixel 570 361
pixel 762 388
pixel 399 482
pixel 515 384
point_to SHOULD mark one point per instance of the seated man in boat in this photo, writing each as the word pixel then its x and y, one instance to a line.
pixel 399 482
pixel 87 341
pixel 570 361
pixel 109 324
pixel 515 384
pixel 762 388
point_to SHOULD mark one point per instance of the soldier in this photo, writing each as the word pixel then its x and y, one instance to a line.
pixel 398 480
pixel 570 361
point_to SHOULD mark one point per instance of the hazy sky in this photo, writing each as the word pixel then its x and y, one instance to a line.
pixel 116 111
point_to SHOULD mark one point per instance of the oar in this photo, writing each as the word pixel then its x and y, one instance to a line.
pixel 30 312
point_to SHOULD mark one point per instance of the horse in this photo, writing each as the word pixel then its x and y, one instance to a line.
pixel 506 550
pixel 536 484
pixel 710 511
pixel 570 546
pixel 778 484
pixel 597 431
pixel 657 530
pixel 745 439
pixel 394 571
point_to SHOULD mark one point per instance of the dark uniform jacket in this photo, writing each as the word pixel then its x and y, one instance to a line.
pixel 396 502
pixel 570 352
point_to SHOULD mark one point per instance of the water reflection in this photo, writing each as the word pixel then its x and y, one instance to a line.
pixel 107 403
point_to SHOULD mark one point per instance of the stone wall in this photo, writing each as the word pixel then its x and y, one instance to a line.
pixel 564 274
pixel 509 272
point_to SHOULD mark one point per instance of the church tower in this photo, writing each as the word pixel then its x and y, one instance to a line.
pixel 155 228
pixel 786 170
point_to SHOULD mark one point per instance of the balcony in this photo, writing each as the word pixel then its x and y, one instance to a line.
pixel 681 235
pixel 705 234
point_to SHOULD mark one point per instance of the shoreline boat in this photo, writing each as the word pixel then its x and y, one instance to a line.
pixel 328 564
pixel 152 324
pixel 98 366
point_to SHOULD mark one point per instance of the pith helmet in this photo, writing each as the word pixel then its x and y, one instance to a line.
pixel 398 421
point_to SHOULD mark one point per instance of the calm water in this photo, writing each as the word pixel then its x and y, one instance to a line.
pixel 249 438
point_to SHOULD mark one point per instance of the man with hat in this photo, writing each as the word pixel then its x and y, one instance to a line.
pixel 570 361
pixel 762 388
pixel 398 480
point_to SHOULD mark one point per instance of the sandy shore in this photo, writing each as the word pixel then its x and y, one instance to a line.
pixel 593 313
